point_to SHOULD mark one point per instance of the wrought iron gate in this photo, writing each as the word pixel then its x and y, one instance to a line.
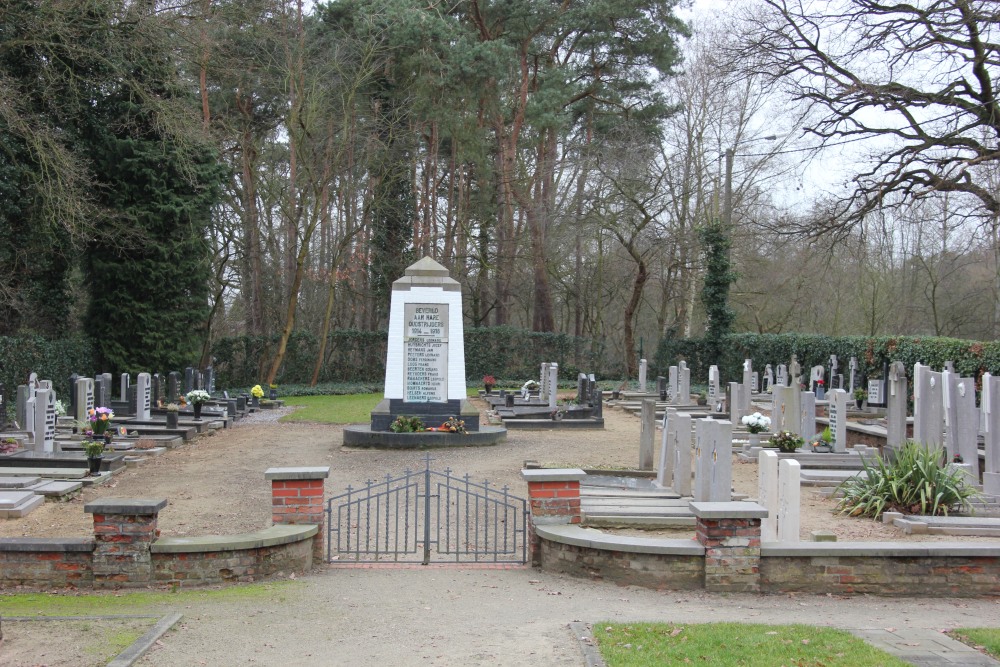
pixel 427 516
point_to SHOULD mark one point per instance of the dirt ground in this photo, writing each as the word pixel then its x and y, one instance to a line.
pixel 215 484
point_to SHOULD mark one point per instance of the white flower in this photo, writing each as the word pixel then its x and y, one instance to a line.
pixel 198 396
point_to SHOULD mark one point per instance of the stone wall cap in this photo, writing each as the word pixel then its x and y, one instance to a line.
pixel 47 544
pixel 269 537
pixel 125 506
pixel 553 474
pixel 880 549
pixel 730 510
pixel 595 539
pixel 302 472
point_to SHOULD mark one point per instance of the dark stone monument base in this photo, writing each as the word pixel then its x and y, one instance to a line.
pixel 30 459
pixel 364 436
pixel 431 414
pixel 555 425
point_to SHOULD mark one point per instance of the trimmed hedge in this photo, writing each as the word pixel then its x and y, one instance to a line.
pixel 359 356
pixel 53 360
pixel 971 358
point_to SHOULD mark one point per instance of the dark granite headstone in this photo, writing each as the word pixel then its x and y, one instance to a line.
pixel 173 386
pixel 3 407
pixel 210 380
pixel 72 395
pixel 188 379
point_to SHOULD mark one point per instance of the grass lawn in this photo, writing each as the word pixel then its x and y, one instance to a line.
pixel 734 644
pixel 987 639
pixel 348 409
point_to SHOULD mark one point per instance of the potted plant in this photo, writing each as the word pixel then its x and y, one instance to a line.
pixel 173 412
pixel 100 421
pixel 859 397
pixel 822 442
pixel 197 398
pixel 756 424
pixel 702 398
pixel 786 441
pixel 94 450
pixel 489 382
pixel 9 445
pixel 273 392
pixel 256 393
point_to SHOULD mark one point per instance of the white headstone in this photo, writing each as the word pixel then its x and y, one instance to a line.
pixel 780 403
pixel 84 398
pixel 668 441
pixel 838 419
pixel 782 377
pixel 928 405
pixel 747 390
pixel 713 480
pixel 554 385
pixel 965 423
pixel 714 390
pixel 816 381
pixel 684 384
pixel 807 413
pixel 643 369
pixel 673 386
pixel 45 420
pixel 30 423
pixel 768 378
pixel 682 453
pixel 543 390
pixel 852 366
pixel 896 405
pixel 767 493
pixel 735 402
pixel 124 384
pixel 991 434
pixel 144 396
pixel 789 494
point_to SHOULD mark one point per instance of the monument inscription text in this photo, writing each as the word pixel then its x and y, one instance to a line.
pixel 426 357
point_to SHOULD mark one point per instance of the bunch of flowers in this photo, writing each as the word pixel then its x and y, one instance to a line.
pixel 257 391
pixel 786 441
pixel 60 408
pixel 530 385
pixel 489 380
pixel 404 424
pixel 198 396
pixel 100 419
pixel 757 423
pixel 453 425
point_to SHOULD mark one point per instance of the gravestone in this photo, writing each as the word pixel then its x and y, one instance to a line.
pixel 21 407
pixel 173 386
pixel 735 401
pixel 928 404
pixel 543 385
pixel 188 379
pixel 643 369
pixel 124 384
pixel 767 493
pixel 714 391
pixel 684 384
pixel 156 386
pixel 789 498
pixel 768 379
pixel 991 434
pixel 835 378
pixel 71 410
pixel 553 385
pixel 29 425
pixel 747 389
pixel 45 420
pixel 780 404
pixel 794 372
pixel 84 391
pixel 807 413
pixel 673 385
pixel 647 429
pixel 425 359
pixel 963 420
pixel 144 396
pixel 782 376
pixel 896 406
pixel 661 387
pixel 582 389
pixel 682 454
pixel 875 392
pixel 108 390
pixel 209 377
pixel 597 400
pixel 755 382
pixel 852 367
pixel 816 382
pixel 838 420
pixel 199 380
pixel 101 392
pixel 668 441
pixel 3 407
pixel 713 480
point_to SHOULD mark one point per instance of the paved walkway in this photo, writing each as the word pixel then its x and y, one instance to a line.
pixel 924 647
pixel 511 618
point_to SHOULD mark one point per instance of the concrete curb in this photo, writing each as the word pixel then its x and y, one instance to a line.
pixel 128 657
pixel 591 656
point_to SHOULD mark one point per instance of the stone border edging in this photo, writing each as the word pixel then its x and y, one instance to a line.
pixel 591 538
pixel 138 648
pixel 47 544
pixel 269 537
pixel 879 549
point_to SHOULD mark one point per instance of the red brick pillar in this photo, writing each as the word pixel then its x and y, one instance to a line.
pixel 730 533
pixel 554 496
pixel 297 498
pixel 124 531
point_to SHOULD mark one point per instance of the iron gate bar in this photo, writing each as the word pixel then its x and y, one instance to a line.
pixel 474 523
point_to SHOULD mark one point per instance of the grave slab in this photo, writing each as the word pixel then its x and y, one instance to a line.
pixel 28 504
pixel 18 482
pixel 58 490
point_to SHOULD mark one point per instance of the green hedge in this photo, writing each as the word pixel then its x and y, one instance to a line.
pixel 359 356
pixel 971 358
pixel 53 360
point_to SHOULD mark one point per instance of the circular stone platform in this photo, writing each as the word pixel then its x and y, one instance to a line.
pixel 363 436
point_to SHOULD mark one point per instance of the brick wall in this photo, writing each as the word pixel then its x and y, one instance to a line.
pixel 46 563
pixel 657 571
pixel 944 576
pixel 243 565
